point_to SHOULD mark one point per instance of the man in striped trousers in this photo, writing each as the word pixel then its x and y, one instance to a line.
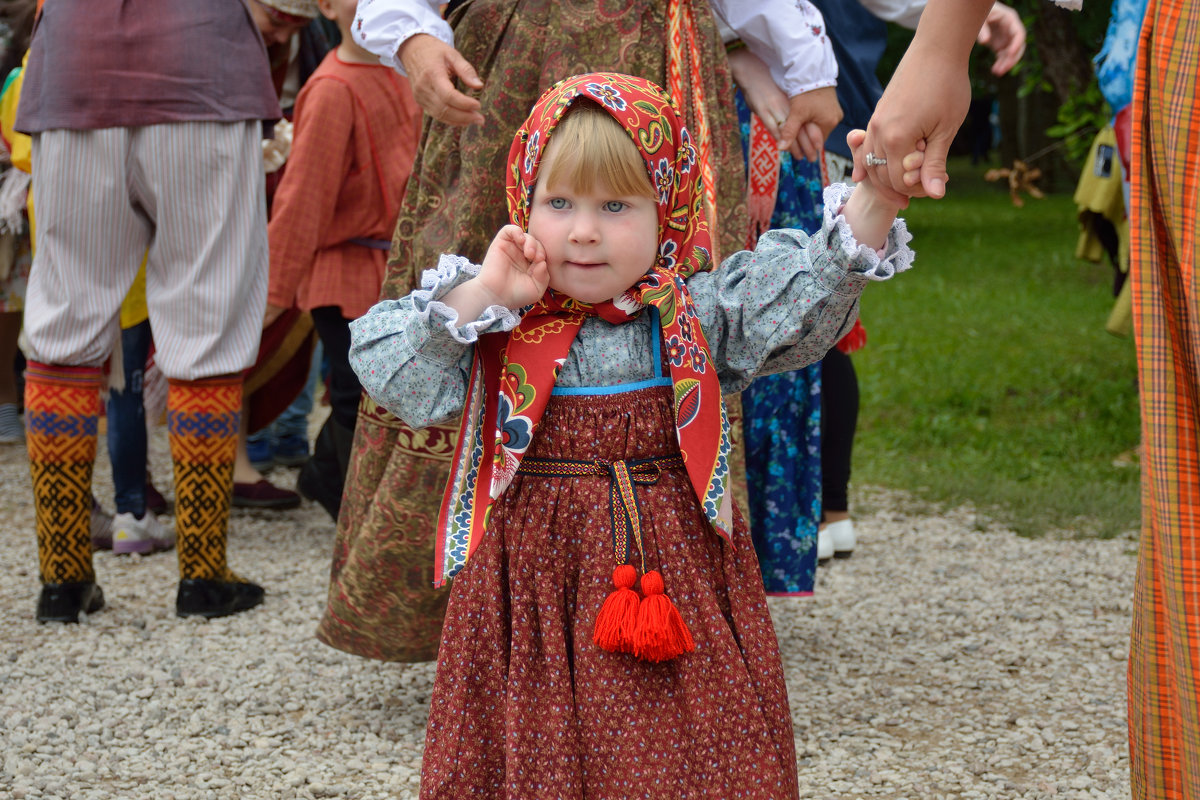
pixel 146 118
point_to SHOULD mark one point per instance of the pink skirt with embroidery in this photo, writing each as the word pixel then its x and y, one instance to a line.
pixel 525 705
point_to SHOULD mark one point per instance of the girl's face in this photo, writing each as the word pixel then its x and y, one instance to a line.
pixel 598 243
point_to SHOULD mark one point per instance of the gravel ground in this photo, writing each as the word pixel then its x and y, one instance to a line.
pixel 945 659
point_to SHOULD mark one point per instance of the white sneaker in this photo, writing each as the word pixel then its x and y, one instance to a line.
pixel 145 535
pixel 824 545
pixel 841 535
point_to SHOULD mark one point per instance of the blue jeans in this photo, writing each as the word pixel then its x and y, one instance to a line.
pixel 127 424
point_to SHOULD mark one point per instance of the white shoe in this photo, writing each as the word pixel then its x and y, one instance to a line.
pixel 145 535
pixel 841 535
pixel 824 545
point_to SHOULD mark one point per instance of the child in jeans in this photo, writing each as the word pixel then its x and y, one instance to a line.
pixel 609 635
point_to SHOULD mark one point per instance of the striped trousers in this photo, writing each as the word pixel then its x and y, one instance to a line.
pixel 1164 666
pixel 189 196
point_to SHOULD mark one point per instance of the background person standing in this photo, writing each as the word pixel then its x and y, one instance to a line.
pixel 146 125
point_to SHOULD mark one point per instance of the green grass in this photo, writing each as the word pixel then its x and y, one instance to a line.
pixel 989 378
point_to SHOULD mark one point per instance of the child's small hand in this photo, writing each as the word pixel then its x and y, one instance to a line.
pixel 870 212
pixel 514 271
pixel 911 163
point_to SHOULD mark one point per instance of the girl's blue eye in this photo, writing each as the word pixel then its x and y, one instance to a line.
pixel 614 206
pixel 557 203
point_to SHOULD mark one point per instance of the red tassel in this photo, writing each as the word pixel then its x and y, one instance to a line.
pixel 617 620
pixel 854 339
pixel 661 632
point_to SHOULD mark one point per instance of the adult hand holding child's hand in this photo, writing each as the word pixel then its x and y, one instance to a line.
pixel 870 210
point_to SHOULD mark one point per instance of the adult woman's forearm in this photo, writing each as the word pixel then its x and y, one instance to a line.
pixel 948 28
pixel 926 100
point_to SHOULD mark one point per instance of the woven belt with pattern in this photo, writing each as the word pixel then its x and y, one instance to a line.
pixel 623 476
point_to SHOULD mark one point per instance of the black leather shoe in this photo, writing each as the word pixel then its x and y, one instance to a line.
pixel 200 597
pixel 62 602
pixel 264 494
pixel 323 476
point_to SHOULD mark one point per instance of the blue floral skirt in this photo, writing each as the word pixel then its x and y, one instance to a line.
pixel 782 421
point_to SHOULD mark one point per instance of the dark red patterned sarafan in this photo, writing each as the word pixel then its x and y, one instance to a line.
pixel 526 705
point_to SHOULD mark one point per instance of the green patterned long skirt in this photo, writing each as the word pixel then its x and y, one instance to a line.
pixel 382 603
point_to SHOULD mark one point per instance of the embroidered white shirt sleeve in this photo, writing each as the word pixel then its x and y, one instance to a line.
pixel 381 26
pixel 788 35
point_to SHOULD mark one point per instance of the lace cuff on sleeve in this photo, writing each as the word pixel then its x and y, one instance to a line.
pixel 435 283
pixel 875 265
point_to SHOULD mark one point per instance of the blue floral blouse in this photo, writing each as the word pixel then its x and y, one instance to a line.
pixel 778 307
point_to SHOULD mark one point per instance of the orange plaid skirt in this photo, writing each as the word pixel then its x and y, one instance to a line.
pixel 1164 667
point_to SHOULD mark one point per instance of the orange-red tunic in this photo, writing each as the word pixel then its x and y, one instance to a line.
pixel 353 148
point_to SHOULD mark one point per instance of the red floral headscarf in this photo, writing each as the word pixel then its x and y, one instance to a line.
pixel 514 374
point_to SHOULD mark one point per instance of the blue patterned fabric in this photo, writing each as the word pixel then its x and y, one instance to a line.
pixel 1116 60
pixel 782 422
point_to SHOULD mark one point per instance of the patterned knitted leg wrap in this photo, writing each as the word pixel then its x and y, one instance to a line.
pixel 202 425
pixel 62 407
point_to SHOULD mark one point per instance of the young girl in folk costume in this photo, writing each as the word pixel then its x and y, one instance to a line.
pixel 609 636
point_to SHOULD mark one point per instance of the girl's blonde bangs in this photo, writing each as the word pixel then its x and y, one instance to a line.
pixel 594 149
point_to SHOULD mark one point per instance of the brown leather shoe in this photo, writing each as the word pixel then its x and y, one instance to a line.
pixel 264 494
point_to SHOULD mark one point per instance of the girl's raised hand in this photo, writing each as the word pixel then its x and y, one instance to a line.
pixel 514 271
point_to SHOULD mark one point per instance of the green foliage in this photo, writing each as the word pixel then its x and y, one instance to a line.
pixel 988 376
pixel 1084 112
pixel 1079 120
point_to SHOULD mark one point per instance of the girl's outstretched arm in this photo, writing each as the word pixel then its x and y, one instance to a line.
pixel 870 212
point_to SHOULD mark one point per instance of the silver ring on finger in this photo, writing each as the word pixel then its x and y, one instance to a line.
pixel 875 161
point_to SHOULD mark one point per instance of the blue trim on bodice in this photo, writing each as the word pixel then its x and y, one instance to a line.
pixel 620 388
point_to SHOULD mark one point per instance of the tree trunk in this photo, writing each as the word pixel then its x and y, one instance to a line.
pixel 1066 62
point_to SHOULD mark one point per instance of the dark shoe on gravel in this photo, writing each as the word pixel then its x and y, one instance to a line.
pixel 264 494
pixel 62 602
pixel 155 502
pixel 201 597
